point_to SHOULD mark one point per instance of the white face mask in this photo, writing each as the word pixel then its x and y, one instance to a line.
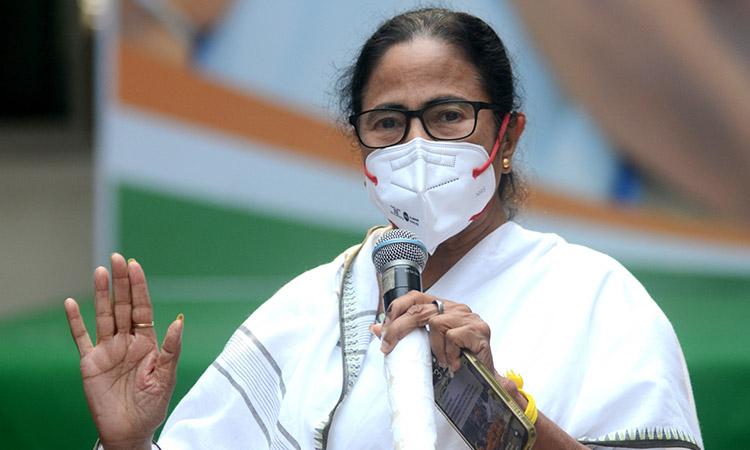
pixel 432 188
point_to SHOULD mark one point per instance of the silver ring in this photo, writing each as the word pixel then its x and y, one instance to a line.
pixel 440 306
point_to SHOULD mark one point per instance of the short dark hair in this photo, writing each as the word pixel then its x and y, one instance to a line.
pixel 476 40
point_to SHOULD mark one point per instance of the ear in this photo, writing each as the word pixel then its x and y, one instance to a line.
pixel 351 138
pixel 512 135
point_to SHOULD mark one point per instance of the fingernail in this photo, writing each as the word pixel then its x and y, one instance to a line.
pixel 181 317
pixel 131 260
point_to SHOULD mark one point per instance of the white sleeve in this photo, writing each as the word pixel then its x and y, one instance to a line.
pixel 213 415
pixel 636 389
pixel 247 397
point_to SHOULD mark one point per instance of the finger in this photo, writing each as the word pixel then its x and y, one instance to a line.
pixel 415 317
pixel 437 343
pixel 143 311
pixel 448 350
pixel 377 329
pixel 452 350
pixel 121 288
pixel 473 336
pixel 166 364
pixel 105 320
pixel 77 328
pixel 510 387
pixel 400 305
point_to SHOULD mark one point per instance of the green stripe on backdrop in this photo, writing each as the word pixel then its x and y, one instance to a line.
pixel 180 242
pixel 177 237
pixel 710 316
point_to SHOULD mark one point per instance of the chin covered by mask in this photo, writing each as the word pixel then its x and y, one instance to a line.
pixel 431 188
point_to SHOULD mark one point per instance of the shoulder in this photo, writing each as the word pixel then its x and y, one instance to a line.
pixel 607 296
pixel 555 249
pixel 584 276
pixel 552 254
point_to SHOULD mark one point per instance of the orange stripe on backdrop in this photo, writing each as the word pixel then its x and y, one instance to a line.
pixel 147 83
pixel 638 219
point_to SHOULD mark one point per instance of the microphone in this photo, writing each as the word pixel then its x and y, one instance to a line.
pixel 399 258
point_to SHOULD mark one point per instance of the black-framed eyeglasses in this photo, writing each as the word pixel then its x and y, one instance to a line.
pixel 448 120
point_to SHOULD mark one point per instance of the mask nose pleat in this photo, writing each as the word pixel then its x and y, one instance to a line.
pixel 420 175
pixel 405 160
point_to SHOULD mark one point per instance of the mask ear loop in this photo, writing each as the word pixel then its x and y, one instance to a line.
pixel 369 175
pixel 478 170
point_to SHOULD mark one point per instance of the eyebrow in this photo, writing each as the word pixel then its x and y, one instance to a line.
pixel 430 102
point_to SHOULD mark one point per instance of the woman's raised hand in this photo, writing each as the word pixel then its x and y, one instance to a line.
pixel 127 379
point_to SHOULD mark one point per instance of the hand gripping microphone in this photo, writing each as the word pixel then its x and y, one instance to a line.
pixel 399 258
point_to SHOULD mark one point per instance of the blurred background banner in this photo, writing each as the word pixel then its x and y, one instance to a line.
pixel 667 81
pixel 203 138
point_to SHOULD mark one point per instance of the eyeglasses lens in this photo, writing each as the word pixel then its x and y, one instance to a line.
pixel 385 127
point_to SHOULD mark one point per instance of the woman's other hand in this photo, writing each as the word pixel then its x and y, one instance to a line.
pixel 127 379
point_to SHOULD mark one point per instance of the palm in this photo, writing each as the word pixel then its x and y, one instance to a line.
pixel 128 382
pixel 111 378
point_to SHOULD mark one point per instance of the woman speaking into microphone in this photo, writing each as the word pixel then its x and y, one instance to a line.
pixel 431 100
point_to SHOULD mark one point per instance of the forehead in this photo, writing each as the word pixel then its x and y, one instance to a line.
pixel 412 73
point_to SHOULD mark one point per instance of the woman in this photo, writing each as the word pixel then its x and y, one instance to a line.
pixel 432 103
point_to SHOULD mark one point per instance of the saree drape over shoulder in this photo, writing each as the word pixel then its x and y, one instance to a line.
pixel 304 371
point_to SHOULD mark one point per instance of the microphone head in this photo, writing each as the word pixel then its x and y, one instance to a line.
pixel 398 244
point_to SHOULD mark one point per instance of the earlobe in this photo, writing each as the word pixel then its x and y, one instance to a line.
pixel 515 129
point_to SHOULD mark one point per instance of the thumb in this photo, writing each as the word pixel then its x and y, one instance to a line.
pixel 377 329
pixel 171 348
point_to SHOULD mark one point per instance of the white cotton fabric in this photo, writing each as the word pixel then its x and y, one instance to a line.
pixel 408 375
pixel 593 348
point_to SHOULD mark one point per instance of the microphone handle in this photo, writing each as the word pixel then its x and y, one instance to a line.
pixel 398 280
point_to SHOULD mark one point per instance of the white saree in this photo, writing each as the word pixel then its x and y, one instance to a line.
pixel 593 348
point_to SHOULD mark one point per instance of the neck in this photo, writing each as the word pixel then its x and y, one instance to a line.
pixel 451 251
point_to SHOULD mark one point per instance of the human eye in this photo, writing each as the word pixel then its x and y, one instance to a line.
pixel 449 120
pixel 451 116
pixel 449 113
pixel 385 121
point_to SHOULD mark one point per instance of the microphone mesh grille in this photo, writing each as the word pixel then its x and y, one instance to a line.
pixel 385 252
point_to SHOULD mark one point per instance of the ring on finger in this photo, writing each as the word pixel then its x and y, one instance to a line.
pixel 440 306
pixel 144 325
